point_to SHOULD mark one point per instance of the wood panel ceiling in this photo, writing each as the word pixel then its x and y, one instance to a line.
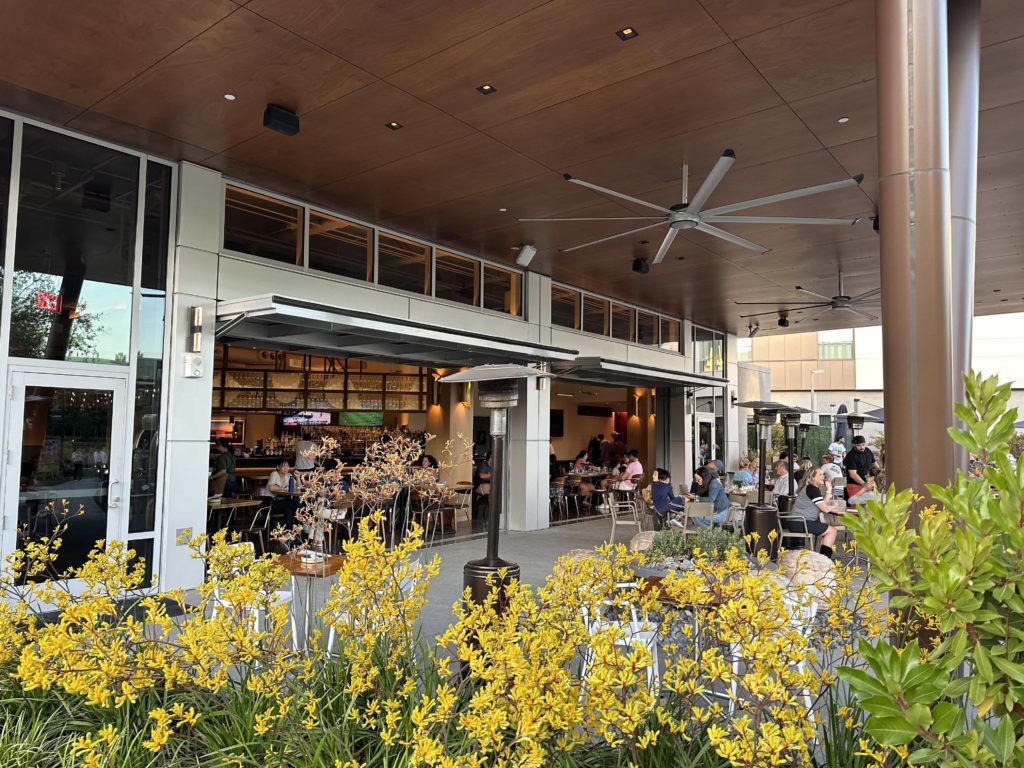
pixel 768 78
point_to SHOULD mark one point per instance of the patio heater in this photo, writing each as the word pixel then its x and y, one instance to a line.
pixel 791 421
pixel 497 389
pixel 762 518
pixel 855 421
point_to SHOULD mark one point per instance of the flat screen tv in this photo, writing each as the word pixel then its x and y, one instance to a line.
pixel 361 418
pixel 306 418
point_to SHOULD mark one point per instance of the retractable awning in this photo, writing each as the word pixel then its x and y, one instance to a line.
pixel 612 373
pixel 295 325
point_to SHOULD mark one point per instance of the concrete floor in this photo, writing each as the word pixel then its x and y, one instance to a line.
pixel 535 551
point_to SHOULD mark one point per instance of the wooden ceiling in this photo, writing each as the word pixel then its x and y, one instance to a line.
pixel 768 78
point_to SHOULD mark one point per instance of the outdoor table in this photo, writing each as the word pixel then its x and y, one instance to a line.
pixel 216 509
pixel 311 573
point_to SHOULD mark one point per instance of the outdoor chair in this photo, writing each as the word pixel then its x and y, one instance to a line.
pixel 259 529
pixel 636 630
pixel 463 503
pixel 255 613
pixel 799 531
pixel 699 509
pixel 681 520
pixel 556 498
pixel 633 519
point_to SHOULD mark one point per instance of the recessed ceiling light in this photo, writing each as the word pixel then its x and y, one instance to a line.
pixel 996 290
pixel 503 210
pixel 843 119
pixel 486 88
pixel 393 125
pixel 229 96
pixel 627 33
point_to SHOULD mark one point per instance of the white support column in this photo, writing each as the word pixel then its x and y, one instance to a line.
pixel 529 430
pixel 194 284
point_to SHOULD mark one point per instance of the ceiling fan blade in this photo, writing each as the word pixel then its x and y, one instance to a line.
pixel 858 312
pixel 812 293
pixel 730 237
pixel 670 237
pixel 611 237
pixel 792 195
pixel 774 220
pixel 712 181
pixel 613 193
pixel 776 303
pixel 605 218
pixel 762 314
pixel 866 294
pixel 816 314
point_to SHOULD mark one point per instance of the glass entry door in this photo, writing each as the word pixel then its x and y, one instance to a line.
pixel 704 438
pixel 64 460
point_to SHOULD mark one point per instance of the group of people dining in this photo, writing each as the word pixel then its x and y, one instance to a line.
pixel 586 476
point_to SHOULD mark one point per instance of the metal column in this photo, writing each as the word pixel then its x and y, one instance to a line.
pixel 914 216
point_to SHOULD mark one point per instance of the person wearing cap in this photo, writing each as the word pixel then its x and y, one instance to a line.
pixel 858 462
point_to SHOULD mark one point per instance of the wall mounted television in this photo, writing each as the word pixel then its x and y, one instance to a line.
pixel 305 418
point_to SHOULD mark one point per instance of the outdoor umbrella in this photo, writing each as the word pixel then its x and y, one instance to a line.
pixel 841 426
pixel 878 414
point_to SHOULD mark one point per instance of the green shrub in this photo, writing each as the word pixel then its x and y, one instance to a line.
pixel 671 543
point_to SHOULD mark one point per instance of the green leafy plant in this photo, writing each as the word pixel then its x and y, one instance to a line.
pixel 953 695
pixel 715 542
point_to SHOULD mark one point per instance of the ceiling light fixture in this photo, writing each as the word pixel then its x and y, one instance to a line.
pixel 526 254
pixel 393 125
pixel 229 96
pixel 486 88
pixel 842 120
pixel 503 210
pixel 627 33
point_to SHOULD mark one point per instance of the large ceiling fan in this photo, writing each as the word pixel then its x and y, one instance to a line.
pixel 690 213
pixel 827 303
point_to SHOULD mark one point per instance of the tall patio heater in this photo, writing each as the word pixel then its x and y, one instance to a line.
pixel 497 389
pixel 856 422
pixel 791 421
pixel 762 518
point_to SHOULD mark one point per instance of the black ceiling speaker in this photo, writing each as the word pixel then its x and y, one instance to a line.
pixel 783 321
pixel 641 266
pixel 280 119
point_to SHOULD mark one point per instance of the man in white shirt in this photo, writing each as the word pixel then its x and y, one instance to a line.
pixel 784 485
pixel 838 448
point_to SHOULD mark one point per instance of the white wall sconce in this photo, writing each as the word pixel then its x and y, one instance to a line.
pixel 195 329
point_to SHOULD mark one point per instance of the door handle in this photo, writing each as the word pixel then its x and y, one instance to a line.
pixel 113 499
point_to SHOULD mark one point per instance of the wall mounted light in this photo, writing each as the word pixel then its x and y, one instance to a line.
pixel 195 329
pixel 467 394
pixel 435 388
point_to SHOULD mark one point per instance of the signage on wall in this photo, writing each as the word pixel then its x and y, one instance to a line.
pixel 50 302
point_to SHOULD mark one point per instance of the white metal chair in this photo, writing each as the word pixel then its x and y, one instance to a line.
pixel 464 504
pixel 798 531
pixel 625 508
pixel 704 509
pixel 637 630
pixel 255 613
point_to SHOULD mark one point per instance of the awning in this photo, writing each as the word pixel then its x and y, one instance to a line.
pixel 611 373
pixel 294 325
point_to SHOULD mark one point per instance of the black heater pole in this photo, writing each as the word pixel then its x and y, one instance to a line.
pixel 497 495
pixel 762 447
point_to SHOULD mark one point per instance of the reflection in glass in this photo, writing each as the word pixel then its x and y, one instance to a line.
pixel 143 548
pixel 74 251
pixel 340 247
pixel 565 307
pixel 670 334
pixel 262 226
pixel 646 328
pixel 595 315
pixel 65 454
pixel 623 321
pixel 456 278
pixel 403 264
pixel 6 143
pixel 149 382
pixel 502 290
pixel 707 351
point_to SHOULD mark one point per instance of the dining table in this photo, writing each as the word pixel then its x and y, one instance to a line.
pixel 316 578
pixel 216 509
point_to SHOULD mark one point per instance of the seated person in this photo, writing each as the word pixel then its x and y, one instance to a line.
pixel 284 480
pixel 666 503
pixel 553 469
pixel 482 480
pixel 805 466
pixel 711 489
pixel 832 471
pixel 429 463
pixel 873 489
pixel 811 503
pixel 744 476
pixel 633 473
pixel 581 464
pixel 785 485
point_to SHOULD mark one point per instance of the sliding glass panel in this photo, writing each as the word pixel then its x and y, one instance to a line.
pixel 6 144
pixel 646 328
pixel 502 290
pixel 456 278
pixel 340 247
pixel 262 226
pixel 149 384
pixel 623 322
pixel 565 307
pixel 670 334
pixel 595 315
pixel 74 255
pixel 403 264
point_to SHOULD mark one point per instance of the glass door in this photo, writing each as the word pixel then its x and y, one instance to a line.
pixel 64 461
pixel 704 438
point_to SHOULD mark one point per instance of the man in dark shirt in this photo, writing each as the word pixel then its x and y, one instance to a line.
pixel 857 463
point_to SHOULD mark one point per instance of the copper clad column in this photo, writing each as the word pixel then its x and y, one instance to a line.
pixel 964 69
pixel 914 217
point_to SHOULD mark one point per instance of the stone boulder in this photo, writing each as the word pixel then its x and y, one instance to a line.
pixel 642 541
pixel 802 567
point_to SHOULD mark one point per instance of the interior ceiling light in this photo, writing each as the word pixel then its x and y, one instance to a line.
pixel 486 88
pixel 229 96
pixel 393 125
pixel 503 210
pixel 843 119
pixel 627 33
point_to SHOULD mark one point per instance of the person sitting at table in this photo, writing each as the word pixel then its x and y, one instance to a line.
pixel 811 504
pixel 428 462
pixel 832 471
pixel 712 490
pixel 804 466
pixel 581 464
pixel 744 476
pixel 666 504
pixel 785 485
pixel 482 481
pixel 873 489
pixel 284 481
pixel 633 474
